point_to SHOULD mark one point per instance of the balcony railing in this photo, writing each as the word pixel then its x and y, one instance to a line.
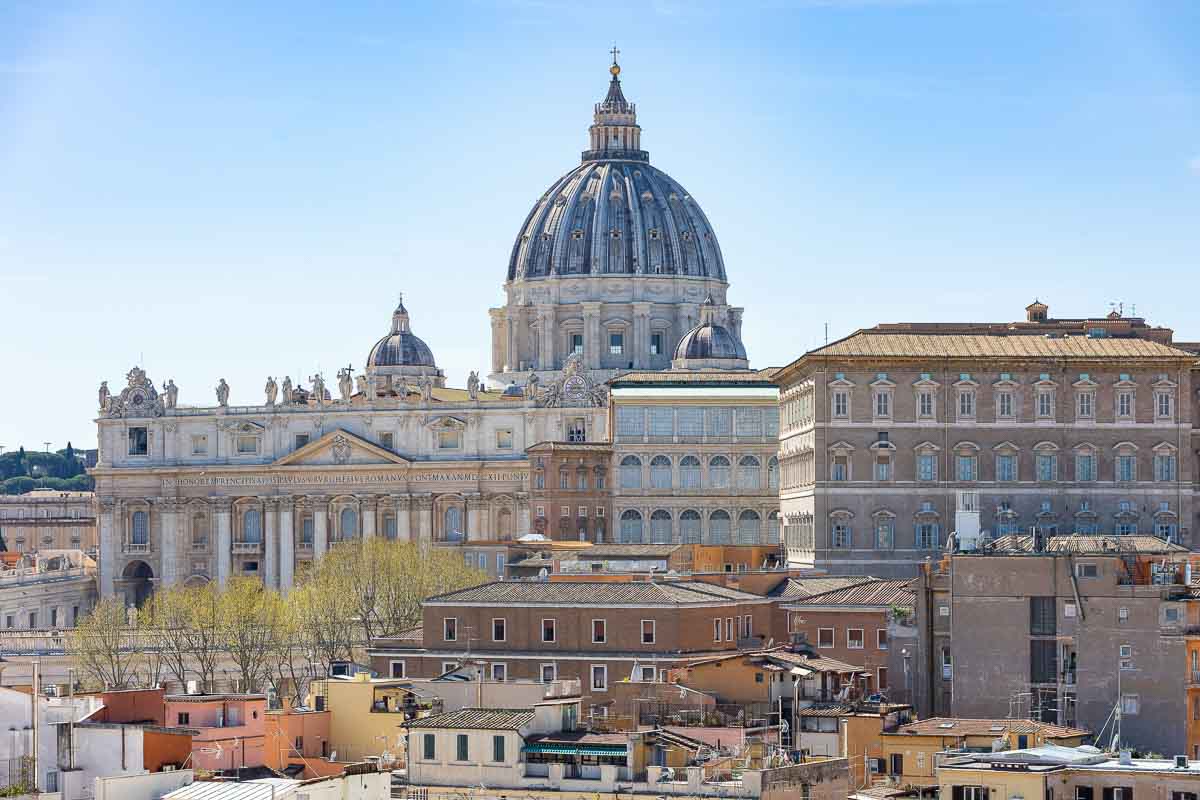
pixel 247 547
pixel 1195 677
pixel 134 547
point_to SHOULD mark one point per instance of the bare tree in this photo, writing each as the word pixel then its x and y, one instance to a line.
pixel 250 618
pixel 102 645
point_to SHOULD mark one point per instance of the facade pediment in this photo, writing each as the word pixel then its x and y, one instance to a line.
pixel 339 447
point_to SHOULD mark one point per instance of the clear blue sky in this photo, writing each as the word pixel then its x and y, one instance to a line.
pixel 231 189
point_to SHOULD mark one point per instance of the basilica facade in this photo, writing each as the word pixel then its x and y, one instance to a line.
pixel 616 268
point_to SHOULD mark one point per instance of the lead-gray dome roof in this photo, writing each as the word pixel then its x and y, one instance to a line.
pixel 707 341
pixel 401 347
pixel 615 214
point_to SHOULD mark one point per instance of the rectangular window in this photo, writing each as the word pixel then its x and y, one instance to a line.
pixel 884 534
pixel 883 404
pixel 656 344
pixel 549 630
pixel 1086 571
pixel 966 468
pixel 840 536
pixel 883 468
pixel 498 749
pixel 647 631
pixel 461 752
pixel 428 749
pixel 1085 467
pixel 841 404
pixel 599 631
pixel 825 637
pixel 926 467
pixel 690 422
pixel 728 627
pixel 881 638
pixel 183 718
pixel 1047 466
pixel 306 531
pixel 966 404
pixel 1005 407
pixel 927 536
pixel 500 672
pixel 1126 468
pixel 840 469
pixel 854 638
pixel 577 343
pixel 1163 405
pixel 397 669
pixel 1124 405
pixel 498 629
pixel 970 793
pixel 504 439
pixel 1043 660
pixel 925 404
pixel 616 344
pixel 630 422
pixel 1085 405
pixel 1006 467
pixel 139 442
pixel 599 678
pixel 247 445
pixel 549 672
pixel 1164 468
pixel 450 629
pixel 717 629
pixel 449 440
pixel 1045 404
pixel 387 440
pixel 1130 704
pixel 200 444
pixel 301 440
pixel 882 681
pixel 1042 616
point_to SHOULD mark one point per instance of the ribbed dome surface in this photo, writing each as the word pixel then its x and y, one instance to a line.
pixel 709 341
pixel 401 350
pixel 616 217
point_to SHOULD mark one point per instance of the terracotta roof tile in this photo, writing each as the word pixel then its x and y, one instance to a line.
pixel 1093 544
pixel 487 719
pixel 795 588
pixel 552 593
pixel 874 593
pixel 875 344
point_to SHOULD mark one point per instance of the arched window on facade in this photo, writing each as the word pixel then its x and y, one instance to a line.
pixel 140 533
pixel 689 473
pixel 773 473
pixel 631 472
pixel 631 527
pixel 749 527
pixel 660 527
pixel 347 524
pixel 773 528
pixel 252 526
pixel 200 532
pixel 719 527
pixel 689 526
pixel 660 472
pixel 748 473
pixel 718 473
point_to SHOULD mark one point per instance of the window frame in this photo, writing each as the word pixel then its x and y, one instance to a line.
pixel 862 641
pixel 603 631
pixel 832 638
pixel 602 671
pixel 449 629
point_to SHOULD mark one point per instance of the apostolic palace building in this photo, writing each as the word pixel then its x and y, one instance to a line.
pixel 615 268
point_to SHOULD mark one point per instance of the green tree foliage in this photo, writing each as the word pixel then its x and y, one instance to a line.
pixel 22 472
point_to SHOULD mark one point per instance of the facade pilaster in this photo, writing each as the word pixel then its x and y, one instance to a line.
pixel 546 330
pixel 108 547
pixel 168 546
pixel 271 542
pixel 641 334
pixel 498 360
pixel 320 526
pixel 591 335
pixel 287 544
pixel 474 507
pixel 223 515
pixel 522 515
pixel 369 507
pixel 403 504
pixel 512 329
pixel 424 532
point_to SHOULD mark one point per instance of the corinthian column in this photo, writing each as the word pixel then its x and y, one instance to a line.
pixel 271 542
pixel 403 517
pixel 224 510
pixel 169 541
pixel 523 514
pixel 474 503
pixel 320 526
pixel 287 544
pixel 424 532
pixel 369 506
pixel 108 547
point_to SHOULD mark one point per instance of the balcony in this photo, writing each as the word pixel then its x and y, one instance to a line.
pixel 240 548
pixel 134 548
pixel 1195 678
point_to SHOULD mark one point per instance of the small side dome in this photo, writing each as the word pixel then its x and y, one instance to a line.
pixel 709 345
pixel 401 354
pixel 513 390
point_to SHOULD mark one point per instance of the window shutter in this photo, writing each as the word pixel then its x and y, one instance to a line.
pixel 983 792
pixel 957 793
pixel 1108 793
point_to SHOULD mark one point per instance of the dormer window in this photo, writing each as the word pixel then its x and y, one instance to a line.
pixel 577 234
pixel 654 234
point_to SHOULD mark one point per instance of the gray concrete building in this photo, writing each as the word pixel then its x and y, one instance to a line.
pixel 1064 635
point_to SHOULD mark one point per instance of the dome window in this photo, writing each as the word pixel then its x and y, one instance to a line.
pixel 577 234
pixel 615 233
pixel 687 236
pixel 654 234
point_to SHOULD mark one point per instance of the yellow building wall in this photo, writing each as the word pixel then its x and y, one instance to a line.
pixel 354 730
pixel 1001 785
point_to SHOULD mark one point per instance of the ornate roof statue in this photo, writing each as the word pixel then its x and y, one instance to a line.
pixel 574 389
pixel 139 398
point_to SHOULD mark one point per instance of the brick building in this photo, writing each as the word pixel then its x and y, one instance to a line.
pixel 1080 425
pixel 570 493
pixel 614 637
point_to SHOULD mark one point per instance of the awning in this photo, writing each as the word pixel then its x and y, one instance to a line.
pixel 552 749
pixel 557 749
pixel 602 750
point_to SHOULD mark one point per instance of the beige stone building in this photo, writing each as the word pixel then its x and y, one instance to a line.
pixel 1081 425
pixel 47 590
pixel 45 519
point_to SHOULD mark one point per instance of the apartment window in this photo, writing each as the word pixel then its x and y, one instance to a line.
pixel 881 639
pixel 1047 466
pixel 200 444
pixel 599 631
pixel 966 467
pixel 398 669
pixel 549 673
pixel 1124 404
pixel 854 638
pixel 883 403
pixel 966 404
pixel 1005 407
pixel 504 439
pixel 461 751
pixel 301 440
pixel 897 765
pixel 450 629
pixel 1006 467
pixel 1086 571
pixel 1164 467
pixel 1043 660
pixel 1163 405
pixel 947 662
pixel 549 630
pixel 882 680
pixel 599 678
pixel 839 470
pixel 428 749
pixel 824 637
pixel 498 629
pixel 139 442
pixel 449 440
pixel 183 718
pixel 717 629
pixel 926 467
pixel 577 343
pixel 1045 404
pixel 1130 705
pixel 728 627
pixel 631 472
pixel 885 530
pixel 306 531
pixel 647 631
pixel 840 536
pixel 541 511
pixel 616 343
pixel 1085 405
pixel 927 536
pixel 1126 468
pixel 925 404
pixel 500 672
pixel 1042 616
pixel 577 432
pixel 969 792
pixel 1085 467
pixel 841 404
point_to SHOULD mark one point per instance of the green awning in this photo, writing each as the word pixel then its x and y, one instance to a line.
pixel 553 749
pixel 603 750
pixel 576 750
